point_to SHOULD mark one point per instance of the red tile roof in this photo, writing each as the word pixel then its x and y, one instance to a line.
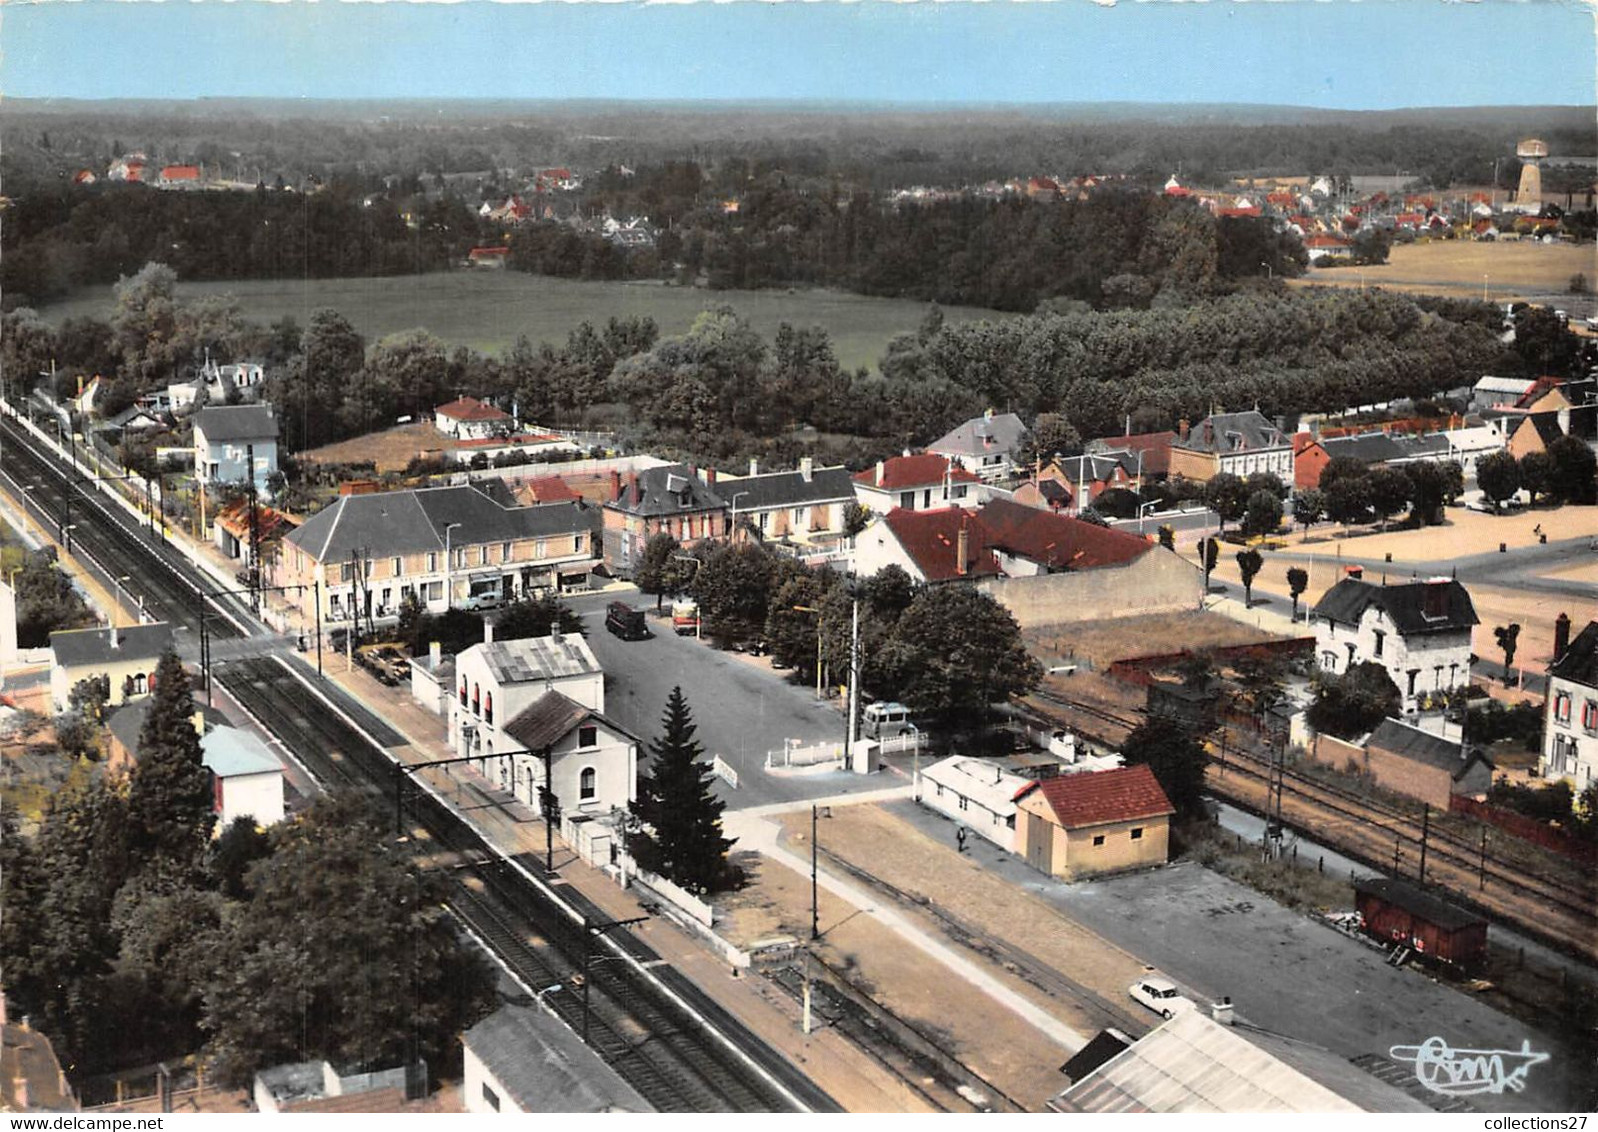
pixel 931 539
pixel 548 489
pixel 1100 797
pixel 471 409
pixel 1056 541
pixel 179 172
pixel 924 470
pixel 488 253
pixel 1327 242
pixel 1252 210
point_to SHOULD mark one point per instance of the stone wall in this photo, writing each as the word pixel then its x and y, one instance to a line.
pixel 1157 582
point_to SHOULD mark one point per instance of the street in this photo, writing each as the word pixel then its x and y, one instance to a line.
pixel 742 709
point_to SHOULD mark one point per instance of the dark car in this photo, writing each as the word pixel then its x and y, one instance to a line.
pixel 625 621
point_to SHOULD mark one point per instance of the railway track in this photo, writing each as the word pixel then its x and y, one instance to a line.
pixel 1565 914
pixel 650 1037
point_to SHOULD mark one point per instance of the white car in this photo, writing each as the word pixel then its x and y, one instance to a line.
pixel 1160 995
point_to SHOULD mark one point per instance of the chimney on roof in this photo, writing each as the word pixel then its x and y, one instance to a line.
pixel 710 477
pixel 881 467
pixel 807 468
pixel 905 453
pixel 632 487
pixel 615 484
pixel 1561 635
pixel 962 547
pixel 1355 572
pixel 488 631
pixel 1209 433
pixel 1223 1012
pixel 1181 428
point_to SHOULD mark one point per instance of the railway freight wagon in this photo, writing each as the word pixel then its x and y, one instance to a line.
pixel 1406 915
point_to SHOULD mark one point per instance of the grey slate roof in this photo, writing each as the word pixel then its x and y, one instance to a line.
pixel 127 722
pixel 412 521
pixel 981 436
pixel 1580 662
pixel 550 718
pixel 1233 432
pixel 537 658
pixel 675 489
pixel 1367 448
pixel 225 423
pixel 545 1068
pixel 75 647
pixel 1424 747
pixel 788 489
pixel 1345 604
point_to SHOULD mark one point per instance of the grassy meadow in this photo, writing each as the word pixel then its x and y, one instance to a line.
pixel 1534 272
pixel 486 310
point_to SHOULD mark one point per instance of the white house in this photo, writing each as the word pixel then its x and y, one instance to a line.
pixel 248 780
pixel 497 682
pixel 977 793
pixel 126 656
pixel 984 446
pixel 221 380
pixel 1570 727
pixel 923 482
pixel 467 418
pixel 1418 631
pixel 228 437
pixel 804 511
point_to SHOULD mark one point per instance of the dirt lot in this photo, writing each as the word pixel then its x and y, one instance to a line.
pixel 943 886
pixel 1512 270
pixel 390 450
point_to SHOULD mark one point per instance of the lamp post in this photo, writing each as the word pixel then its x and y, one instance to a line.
pixel 735 497
pixel 815 908
pixel 448 563
pixel 1269 273
pixel 1142 511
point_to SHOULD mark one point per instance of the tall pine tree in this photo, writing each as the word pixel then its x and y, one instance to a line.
pixel 681 839
pixel 169 797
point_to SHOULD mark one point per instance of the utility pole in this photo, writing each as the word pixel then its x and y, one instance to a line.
pixel 815 913
pixel 1425 832
pixel 590 930
pixel 254 574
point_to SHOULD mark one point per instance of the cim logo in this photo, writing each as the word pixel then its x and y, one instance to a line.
pixel 1468 1072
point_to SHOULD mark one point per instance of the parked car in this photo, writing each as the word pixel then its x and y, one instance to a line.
pixel 1160 995
pixel 626 622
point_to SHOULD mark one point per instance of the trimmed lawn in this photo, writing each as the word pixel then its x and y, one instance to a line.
pixel 487 310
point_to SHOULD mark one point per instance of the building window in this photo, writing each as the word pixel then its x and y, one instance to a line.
pixel 490 1097
pixel 1098 839
pixel 504 552
pixel 907 500
pixel 488 708
pixel 477 699
pixel 139 684
pixel 577 544
pixel 940 789
pixel 1413 673
pixel 432 561
pixel 963 802
pixel 394 567
pixel 587 784
pixel 1137 833
pixel 1589 715
pixel 463 692
pixel 1329 660
pixel 1379 635
pixel 588 736
pixel 543 548
pixel 1562 707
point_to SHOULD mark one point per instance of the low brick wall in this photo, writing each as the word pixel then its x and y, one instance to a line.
pixel 1529 829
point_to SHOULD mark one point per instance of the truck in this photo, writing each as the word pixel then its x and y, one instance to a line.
pixel 685 617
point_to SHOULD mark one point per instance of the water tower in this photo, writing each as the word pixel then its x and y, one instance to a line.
pixel 1531 152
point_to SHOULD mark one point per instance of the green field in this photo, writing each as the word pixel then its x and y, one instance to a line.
pixel 486 310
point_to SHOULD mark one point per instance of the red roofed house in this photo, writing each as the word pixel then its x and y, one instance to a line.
pixel 470 419
pixel 1084 825
pixel 179 176
pixel 1045 568
pixel 1309 461
pixel 916 483
pixel 488 257
pixel 1328 247
pixel 545 489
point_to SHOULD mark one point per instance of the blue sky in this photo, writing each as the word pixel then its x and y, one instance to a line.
pixel 1336 53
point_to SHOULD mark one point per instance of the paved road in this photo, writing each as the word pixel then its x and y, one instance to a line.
pixel 1284 971
pixel 742 709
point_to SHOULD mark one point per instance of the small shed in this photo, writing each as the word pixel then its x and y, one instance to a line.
pixel 1405 914
pixel 978 793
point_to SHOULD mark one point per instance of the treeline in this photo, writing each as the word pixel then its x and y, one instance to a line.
pixel 55 241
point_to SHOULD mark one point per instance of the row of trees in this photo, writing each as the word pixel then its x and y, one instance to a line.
pixel 1566 472
pixel 130 936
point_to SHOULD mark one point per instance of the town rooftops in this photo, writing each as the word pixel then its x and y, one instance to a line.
pixel 928 469
pixel 471 409
pixel 669 490
pixel 538 658
pixel 127 722
pixel 787 489
pixel 1424 747
pixel 1155 446
pixel 1056 541
pixel 983 781
pixel 1503 386
pixel 544 489
pixel 981 436
pixel 224 424
pixel 932 540
pixel 1413 607
pixel 1580 661
pixel 1417 901
pixel 229 752
pixel 544 1067
pixel 1546 425
pixel 1125 794
pixel 415 520
pixel 1193 1063
pixel 73 648
pixel 1095 467
pixel 1232 432
pixel 1366 447
pixel 180 173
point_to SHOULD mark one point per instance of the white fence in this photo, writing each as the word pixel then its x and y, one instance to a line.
pixel 679 898
pixel 796 755
pixel 724 771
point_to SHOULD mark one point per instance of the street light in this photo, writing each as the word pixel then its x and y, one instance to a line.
pixel 815 911
pixel 735 497
pixel 1142 511
pixel 1269 274
pixel 448 581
